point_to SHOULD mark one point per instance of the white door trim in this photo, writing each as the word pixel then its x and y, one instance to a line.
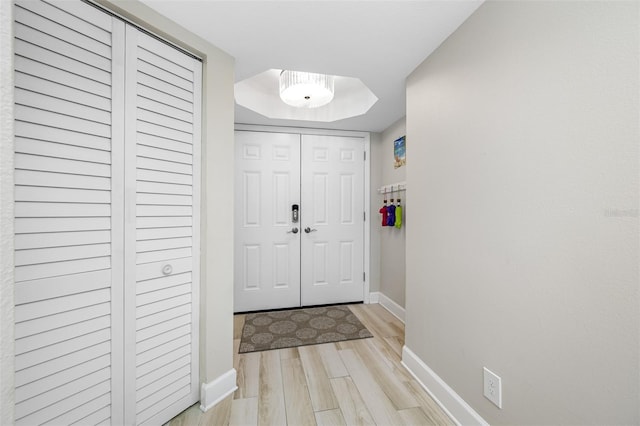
pixel 367 217
pixel 118 260
pixel 367 179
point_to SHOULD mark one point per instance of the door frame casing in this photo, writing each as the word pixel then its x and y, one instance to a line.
pixel 367 179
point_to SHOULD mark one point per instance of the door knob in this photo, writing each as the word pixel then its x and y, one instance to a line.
pixel 294 230
pixel 167 269
pixel 309 230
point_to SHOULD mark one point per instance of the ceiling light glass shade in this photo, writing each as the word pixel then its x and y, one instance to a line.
pixel 305 89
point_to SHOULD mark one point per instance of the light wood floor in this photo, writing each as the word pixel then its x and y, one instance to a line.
pixel 358 382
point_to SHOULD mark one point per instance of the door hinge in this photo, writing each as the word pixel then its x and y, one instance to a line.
pixel 365 156
pixel 364 276
pixel 364 216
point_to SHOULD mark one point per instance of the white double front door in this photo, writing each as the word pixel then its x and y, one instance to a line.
pixel 299 227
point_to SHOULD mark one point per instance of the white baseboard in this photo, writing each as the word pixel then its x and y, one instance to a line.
pixel 215 391
pixel 388 304
pixel 452 404
pixel 391 306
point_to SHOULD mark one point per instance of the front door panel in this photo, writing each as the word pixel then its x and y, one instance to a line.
pixel 267 240
pixel 333 222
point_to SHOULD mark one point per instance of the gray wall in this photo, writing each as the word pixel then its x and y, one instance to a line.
pixel 523 174
pixel 392 240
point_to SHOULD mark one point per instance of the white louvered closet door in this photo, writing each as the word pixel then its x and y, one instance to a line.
pixel 106 220
pixel 69 238
pixel 162 210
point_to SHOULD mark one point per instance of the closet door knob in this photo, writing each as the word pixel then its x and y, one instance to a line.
pixel 294 230
pixel 167 269
pixel 309 230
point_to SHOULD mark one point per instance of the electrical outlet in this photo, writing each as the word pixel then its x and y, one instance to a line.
pixel 493 387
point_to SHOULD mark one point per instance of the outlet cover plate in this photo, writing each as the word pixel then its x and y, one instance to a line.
pixel 493 387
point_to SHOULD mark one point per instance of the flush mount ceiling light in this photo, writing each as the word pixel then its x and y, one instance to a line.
pixel 305 89
pixel 260 94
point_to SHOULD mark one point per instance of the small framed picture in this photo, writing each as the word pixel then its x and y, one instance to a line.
pixel 399 152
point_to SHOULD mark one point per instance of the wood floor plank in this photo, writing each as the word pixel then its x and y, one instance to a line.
pixel 318 383
pixel 238 324
pixel 346 344
pixel 415 416
pixel 390 358
pixel 391 320
pixel 189 417
pixel 398 326
pixel 247 375
pixel 271 409
pixel 236 358
pixel 388 354
pixel 381 312
pixel 330 418
pixel 392 385
pixel 218 415
pixel 296 394
pixel 430 408
pixel 288 353
pixel 353 408
pixel 379 405
pixel 266 381
pixel 395 343
pixel 244 412
pixel 331 360
pixel 375 324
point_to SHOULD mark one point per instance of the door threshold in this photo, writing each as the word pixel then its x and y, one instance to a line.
pixel 298 307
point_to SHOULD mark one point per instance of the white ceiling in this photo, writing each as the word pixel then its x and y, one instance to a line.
pixel 379 42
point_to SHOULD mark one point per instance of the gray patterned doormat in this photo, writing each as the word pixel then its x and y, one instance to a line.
pixel 299 327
